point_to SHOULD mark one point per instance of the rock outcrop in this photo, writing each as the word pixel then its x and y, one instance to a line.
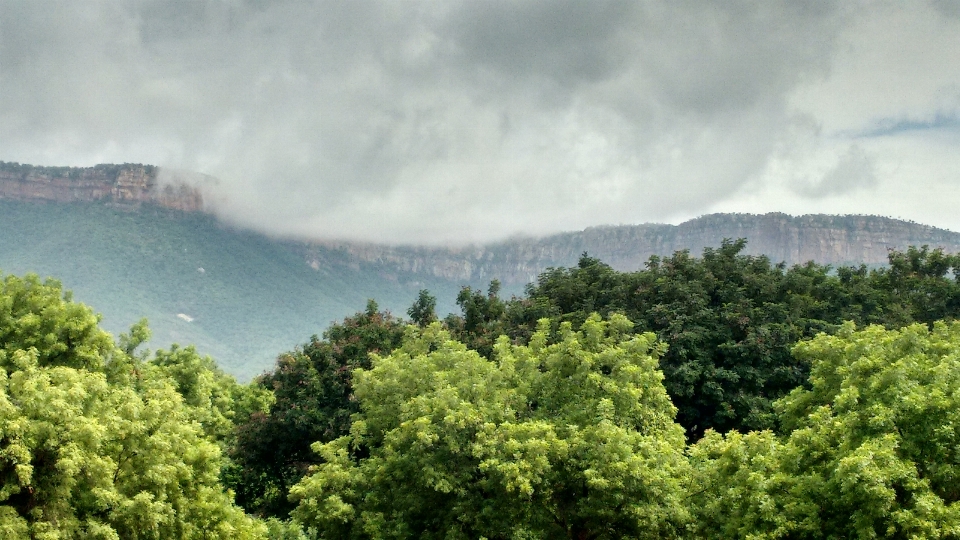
pixel 834 240
pixel 127 185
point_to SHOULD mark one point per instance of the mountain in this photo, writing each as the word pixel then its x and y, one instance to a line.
pixel 237 295
pixel 136 241
pixel 125 186
pixel 834 240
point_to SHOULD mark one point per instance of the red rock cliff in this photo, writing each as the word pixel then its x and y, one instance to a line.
pixel 125 185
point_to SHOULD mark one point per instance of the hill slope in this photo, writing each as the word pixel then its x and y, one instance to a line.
pixel 835 240
pixel 238 296
pixel 134 243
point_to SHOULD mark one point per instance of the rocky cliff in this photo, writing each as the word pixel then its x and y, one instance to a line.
pixel 835 240
pixel 127 185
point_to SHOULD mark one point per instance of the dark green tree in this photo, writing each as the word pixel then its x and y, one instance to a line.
pixel 730 319
pixel 424 309
pixel 314 401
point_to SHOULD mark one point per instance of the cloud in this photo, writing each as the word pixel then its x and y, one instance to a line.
pixel 855 170
pixel 453 121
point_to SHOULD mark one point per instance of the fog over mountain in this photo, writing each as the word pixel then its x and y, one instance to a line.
pixel 461 121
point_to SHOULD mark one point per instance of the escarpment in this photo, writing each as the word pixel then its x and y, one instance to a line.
pixel 126 185
pixel 826 239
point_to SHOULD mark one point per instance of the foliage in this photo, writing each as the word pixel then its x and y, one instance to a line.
pixel 33 315
pixel 95 443
pixel 424 309
pixel 214 398
pixel 313 402
pixel 916 288
pixel 572 439
pixel 871 452
pixel 730 319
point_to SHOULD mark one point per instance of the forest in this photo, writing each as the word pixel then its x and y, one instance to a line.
pixel 717 395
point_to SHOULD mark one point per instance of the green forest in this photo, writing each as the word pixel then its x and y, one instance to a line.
pixel 715 395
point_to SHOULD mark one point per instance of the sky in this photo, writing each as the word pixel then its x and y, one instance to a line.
pixel 455 122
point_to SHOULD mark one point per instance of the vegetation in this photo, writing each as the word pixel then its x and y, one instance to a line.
pixel 314 402
pixel 574 439
pixel 249 296
pixel 870 449
pixel 713 397
pixel 97 443
pixel 730 320
pixel 108 169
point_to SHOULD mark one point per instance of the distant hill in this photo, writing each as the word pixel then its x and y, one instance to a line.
pixel 131 244
pixel 834 240
pixel 237 295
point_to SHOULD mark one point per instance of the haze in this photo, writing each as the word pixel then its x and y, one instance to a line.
pixel 456 122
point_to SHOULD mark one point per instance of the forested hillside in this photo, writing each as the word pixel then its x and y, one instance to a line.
pixel 236 295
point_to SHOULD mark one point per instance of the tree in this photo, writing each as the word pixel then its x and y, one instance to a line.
pixel 216 401
pixel 313 401
pixel 729 319
pixel 870 448
pixel 484 319
pixel 574 439
pixel 424 309
pixel 39 315
pixel 95 443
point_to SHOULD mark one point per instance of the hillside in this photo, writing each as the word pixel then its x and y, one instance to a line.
pixel 834 240
pixel 134 244
pixel 238 296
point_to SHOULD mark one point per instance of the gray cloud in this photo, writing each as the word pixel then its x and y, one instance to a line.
pixel 421 121
pixel 853 171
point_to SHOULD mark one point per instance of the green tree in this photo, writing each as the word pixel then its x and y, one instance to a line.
pixel 313 401
pixel 39 315
pixel 216 401
pixel 729 318
pixel 424 309
pixel 870 449
pixel 484 319
pixel 574 439
pixel 95 443
pixel 916 288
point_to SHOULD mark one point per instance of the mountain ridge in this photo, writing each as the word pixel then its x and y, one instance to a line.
pixel 826 239
pixel 131 248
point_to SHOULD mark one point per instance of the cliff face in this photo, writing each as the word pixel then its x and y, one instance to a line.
pixel 124 185
pixel 834 240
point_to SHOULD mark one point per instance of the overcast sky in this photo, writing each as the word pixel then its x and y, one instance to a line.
pixel 445 121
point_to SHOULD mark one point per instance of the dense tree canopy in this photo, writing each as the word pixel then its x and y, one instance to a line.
pixel 94 442
pixel 730 319
pixel 573 439
pixel 713 397
pixel 313 402
pixel 871 451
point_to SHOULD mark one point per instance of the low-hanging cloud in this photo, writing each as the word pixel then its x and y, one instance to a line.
pixel 424 121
